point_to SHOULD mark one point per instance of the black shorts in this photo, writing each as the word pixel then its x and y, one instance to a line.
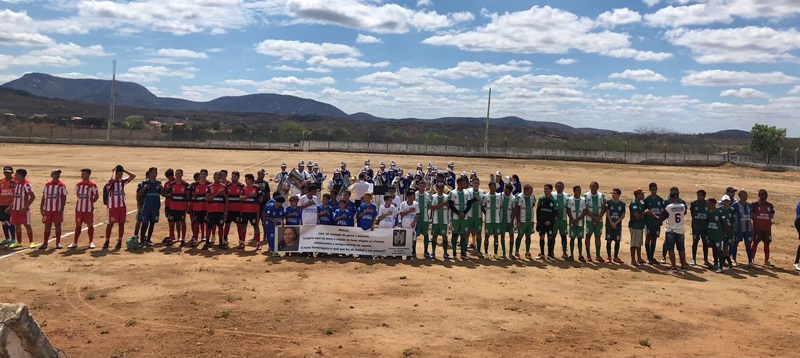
pixel 233 216
pixel 248 218
pixel 199 216
pixel 543 229
pixel 3 215
pixel 174 216
pixel 675 241
pixel 215 219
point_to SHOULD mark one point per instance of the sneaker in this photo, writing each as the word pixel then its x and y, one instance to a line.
pixel 581 259
pixel 193 243
pixel 5 242
pixel 600 259
pixel 241 246
pixel 433 257
pixel 588 259
pixel 735 264
pixel 105 245
pixel 618 260
pixel 464 257
pixel 564 257
pixel 571 258
pixel 448 257
pixel 91 245
pixel 148 243
pixel 512 257
pixel 538 257
pixel 182 243
pixel 664 260
pixel 275 254
pixel 15 245
pixel 796 266
pixel 42 247
pixel 72 246
pixel 551 258
pixel 426 255
pixel 730 268
pixel 258 247
pixel 206 246
pixel 480 255
pixel 719 270
pixel 768 264
pixel 168 242
pixel 118 246
pixel 750 264
pixel 503 257
pixel 693 263
pixel 33 246
pixel 708 264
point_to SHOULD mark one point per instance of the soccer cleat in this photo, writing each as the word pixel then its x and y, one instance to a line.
pixel 42 247
pixel 118 246
pixel 551 258
pixel 148 243
pixel 480 255
pixel 433 257
pixel 719 270
pixel 241 246
pixel 193 243
pixel 796 266
pixel 564 257
pixel 464 257
pixel 511 257
pixel 5 242
pixel 206 246
pixel 581 259
pixel 33 246
pixel 664 260
pixel 258 247
pixel 91 245
pixel 693 263
pixel 182 243
pixel 768 264
pixel 105 245
pixel 618 260
pixel 571 258
pixel 502 257
pixel 72 246
pixel 600 259
pixel 735 264
pixel 538 257
pixel 427 255
pixel 58 246
pixel 14 245
pixel 448 257
pixel 706 263
pixel 588 258
pixel 275 254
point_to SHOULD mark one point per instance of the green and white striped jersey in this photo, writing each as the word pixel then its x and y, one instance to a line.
pixel 561 203
pixel 576 207
pixel 439 216
pixel 475 211
pixel 460 199
pixel 526 204
pixel 595 203
pixel 493 203
pixel 507 203
pixel 424 201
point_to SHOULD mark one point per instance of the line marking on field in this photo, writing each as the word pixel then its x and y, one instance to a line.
pixel 106 222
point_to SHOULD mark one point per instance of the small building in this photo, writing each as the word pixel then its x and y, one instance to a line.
pixel 155 124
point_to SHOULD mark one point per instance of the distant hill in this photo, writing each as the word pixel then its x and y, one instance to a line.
pixel 135 95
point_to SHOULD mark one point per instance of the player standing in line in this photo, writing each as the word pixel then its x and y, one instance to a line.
pixel 366 215
pixel 475 219
pixel 439 216
pixel 234 192
pixel 716 235
pixel 117 205
pixel 138 225
pixel 595 211
pixel 6 199
pixel 54 198
pixel 422 228
pixel 615 214
pixel 729 218
pixel 250 199
pixel 177 192
pixel 342 216
pixel 562 221
pixel 409 216
pixel 169 174
pixel 576 212
pixel 524 204
pixel 20 209
pixel 797 228
pixel 653 205
pixel 199 207
pixel 273 218
pixel 460 202
pixel 217 199
pixel 326 210
pixel 744 228
pixel 509 220
pixel 763 214
pixel 491 206
pixel 387 213
pixel 674 214
pixel 546 216
pixel 149 193
pixel 636 226
pixel 699 211
pixel 87 194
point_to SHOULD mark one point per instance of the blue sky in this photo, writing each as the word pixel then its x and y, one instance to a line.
pixel 686 65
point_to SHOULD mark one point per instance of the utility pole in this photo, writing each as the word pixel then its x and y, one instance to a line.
pixel 113 99
pixel 486 136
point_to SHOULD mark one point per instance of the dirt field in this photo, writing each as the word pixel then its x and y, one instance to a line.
pixel 171 302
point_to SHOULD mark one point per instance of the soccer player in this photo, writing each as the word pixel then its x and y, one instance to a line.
pixel 178 193
pixel 87 194
pixel 367 213
pixel 116 203
pixel 263 185
pixel 524 204
pixel 54 198
pixel 475 219
pixel 595 211
pixel 491 206
pixel 342 216
pixel 508 220
pixel 217 199
pixel 199 207
pixel 149 192
pixel 576 212
pixel 797 228
pixel 763 214
pixel 169 174
pixel 292 213
pixel 387 213
pixel 615 214
pixel 546 216
pixel 673 214
pixel 716 235
pixel 744 228
pixel 653 205
pixel 234 191
pixel 273 218
pixel 423 224
pixel 729 218
pixel 460 201
pixel 351 206
pixel 562 221
pixel 251 199
pixel 636 226
pixel 20 209
pixel 326 210
pixel 439 219
pixel 409 215
pixel 6 199
pixel 699 210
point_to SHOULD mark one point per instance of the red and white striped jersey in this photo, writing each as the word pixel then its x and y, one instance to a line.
pixel 116 193
pixel 85 193
pixel 53 194
pixel 22 193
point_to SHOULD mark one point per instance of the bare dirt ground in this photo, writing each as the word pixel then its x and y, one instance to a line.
pixel 172 302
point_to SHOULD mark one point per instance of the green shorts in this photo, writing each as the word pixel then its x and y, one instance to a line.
pixel 576 232
pixel 493 229
pixel 439 230
pixel 506 228
pixel 475 224
pixel 594 229
pixel 460 226
pixel 560 227
pixel 423 228
pixel 525 228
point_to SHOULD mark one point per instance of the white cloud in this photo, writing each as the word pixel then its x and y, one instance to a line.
pixel 411 79
pixel 463 16
pixel 639 76
pixel 19 29
pixel 71 50
pixel 481 70
pixel 7 61
pixel 4 78
pixel 181 53
pixel 154 73
pixel 215 50
pixel 367 39
pixel 744 93
pixel 737 45
pixel 607 86
pixel 422 3
pixel 566 61
pixel 720 78
pixel 285 68
pixel 706 12
pixel 208 92
pixel 277 84
pixel 795 90
pixel 543 30
pixel 322 61
pixel 296 50
pixel 651 3
pixel 618 17
pixel 538 81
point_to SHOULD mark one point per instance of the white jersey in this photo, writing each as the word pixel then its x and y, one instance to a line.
pixel 675 217
pixel 561 202
pixel 493 203
pixel 439 216
pixel 526 205
pixel 460 199
pixel 397 201
pixel 389 220
pixel 309 214
pixel 576 207
pixel 475 210
pixel 408 219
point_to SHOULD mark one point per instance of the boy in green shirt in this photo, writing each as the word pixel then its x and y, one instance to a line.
pixel 493 211
pixel 508 203
pixel 615 213
pixel 595 211
pixel 699 209
pixel 716 234
pixel 576 212
pixel 653 205
pixel 729 219
pixel 562 221
pixel 524 211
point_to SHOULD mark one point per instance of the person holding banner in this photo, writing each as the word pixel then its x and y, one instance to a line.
pixel 439 217
pixel 308 205
pixel 351 206
pixel 343 216
pixel 366 215
pixel 387 214
pixel 409 214
pixel 325 211
pixel 273 218
pixel 292 213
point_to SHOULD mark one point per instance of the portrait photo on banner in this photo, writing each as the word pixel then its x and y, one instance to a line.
pixel 288 238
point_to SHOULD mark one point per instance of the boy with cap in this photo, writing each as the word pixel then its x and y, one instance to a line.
pixel 636 226
pixel 20 208
pixel 87 194
pixel 763 214
pixel 116 203
pixel 54 198
pixel 6 199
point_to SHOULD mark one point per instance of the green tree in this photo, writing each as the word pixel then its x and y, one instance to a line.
pixel 239 128
pixel 133 122
pixel 767 140
pixel 292 130
pixel 339 133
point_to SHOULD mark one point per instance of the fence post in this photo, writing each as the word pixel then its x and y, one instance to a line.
pixel 625 156
pixel 684 152
pixel 795 156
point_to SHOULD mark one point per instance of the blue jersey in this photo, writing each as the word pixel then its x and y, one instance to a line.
pixel 151 200
pixel 273 212
pixel 295 220
pixel 325 219
pixel 351 207
pixel 367 221
pixel 744 220
pixel 347 220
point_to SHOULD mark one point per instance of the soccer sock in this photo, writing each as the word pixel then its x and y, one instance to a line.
pixel 136 228
pixel 597 247
pixel 6 233
pixel 12 231
pixel 150 231
pixel 172 231
pixel 426 242
pixel 572 247
pixel 733 249
pixel 46 236
pixel 694 249
pixel 58 235
pixel 551 243
pixel 464 239
pixel 144 236
pixel 497 243
pixel 503 244
pixel 479 244
pixel 580 246
pixel 90 232
pixel 122 230
pixel 242 231
pixel 751 251
pixel 195 229
pixel 30 235
pixel 664 249
pixel 564 243
pixel 766 251
pixel 589 247
pixel 78 233
pixel 797 256
pixel 108 232
pixel 444 244
pixel 541 246
pixel 705 249
pixel 616 249
pixel 453 242
pixel 608 248
pixel 518 242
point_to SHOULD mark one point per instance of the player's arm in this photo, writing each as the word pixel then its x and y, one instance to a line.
pixel 622 217
pixel 63 198
pixel 664 215
pixel 95 195
pixel 130 177
pixel 584 212
pixel 41 202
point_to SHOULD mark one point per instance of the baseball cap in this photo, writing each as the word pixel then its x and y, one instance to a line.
pixel 337 171
pixel 8 169
pixel 383 164
pixel 392 163
pixel 262 171
pixel 316 166
pixel 283 164
pixel 55 171
pixel 343 164
pixel 451 164
pixel 725 197
pixel 310 163
pixel 730 189
pixel 498 173
pixel 301 163
pixel 366 162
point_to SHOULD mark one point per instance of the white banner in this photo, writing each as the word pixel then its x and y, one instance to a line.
pixel 345 240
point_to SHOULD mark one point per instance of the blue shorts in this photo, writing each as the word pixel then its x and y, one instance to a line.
pixel 747 236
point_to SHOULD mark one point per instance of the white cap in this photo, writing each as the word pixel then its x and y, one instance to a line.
pixel 725 197
pixel 344 164
pixel 383 164
pixel 366 162
pixel 451 164
pixel 419 165
pixel 301 163
pixel 316 166
pixel 498 173
pixel 283 164
pixel 392 163
pixel 310 163
pixel 336 171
